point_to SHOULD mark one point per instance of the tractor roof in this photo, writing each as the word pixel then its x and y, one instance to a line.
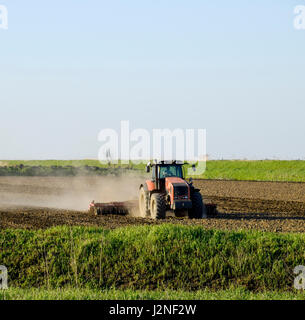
pixel 166 162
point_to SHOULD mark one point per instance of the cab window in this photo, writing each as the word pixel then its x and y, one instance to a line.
pixel 170 171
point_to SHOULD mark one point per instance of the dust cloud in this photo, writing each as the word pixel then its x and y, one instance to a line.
pixel 71 193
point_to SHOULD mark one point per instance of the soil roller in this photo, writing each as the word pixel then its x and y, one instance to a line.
pixel 118 208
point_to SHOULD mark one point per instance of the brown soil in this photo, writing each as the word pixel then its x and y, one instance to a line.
pixel 34 203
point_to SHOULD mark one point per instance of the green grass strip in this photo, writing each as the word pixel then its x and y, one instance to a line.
pixel 260 170
pixel 91 294
pixel 164 257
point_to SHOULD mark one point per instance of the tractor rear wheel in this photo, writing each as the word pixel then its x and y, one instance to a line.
pixel 143 203
pixel 157 206
pixel 198 210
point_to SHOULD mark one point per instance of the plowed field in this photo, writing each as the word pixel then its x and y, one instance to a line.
pixel 35 203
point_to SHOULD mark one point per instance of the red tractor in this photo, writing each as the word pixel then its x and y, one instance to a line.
pixel 168 190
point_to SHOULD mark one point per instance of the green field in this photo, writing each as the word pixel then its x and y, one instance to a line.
pixel 261 170
pixel 91 294
pixel 151 258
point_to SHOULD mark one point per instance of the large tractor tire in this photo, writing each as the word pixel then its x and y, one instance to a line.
pixel 198 210
pixel 157 206
pixel 144 203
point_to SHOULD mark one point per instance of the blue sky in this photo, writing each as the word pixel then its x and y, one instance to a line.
pixel 71 68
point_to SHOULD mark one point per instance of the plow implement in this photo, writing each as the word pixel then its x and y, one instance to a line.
pixel 117 208
pixel 127 207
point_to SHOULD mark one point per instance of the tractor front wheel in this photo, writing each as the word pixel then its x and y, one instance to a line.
pixel 157 206
pixel 143 203
pixel 198 210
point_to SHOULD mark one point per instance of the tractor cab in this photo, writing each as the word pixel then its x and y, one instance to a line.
pixel 163 170
pixel 169 170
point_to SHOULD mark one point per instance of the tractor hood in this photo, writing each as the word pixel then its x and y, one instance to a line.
pixel 174 180
pixel 177 188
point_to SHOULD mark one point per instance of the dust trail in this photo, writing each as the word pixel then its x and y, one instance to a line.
pixel 72 193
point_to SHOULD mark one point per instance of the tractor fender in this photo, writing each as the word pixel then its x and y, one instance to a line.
pixel 148 186
pixel 144 186
pixel 193 189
